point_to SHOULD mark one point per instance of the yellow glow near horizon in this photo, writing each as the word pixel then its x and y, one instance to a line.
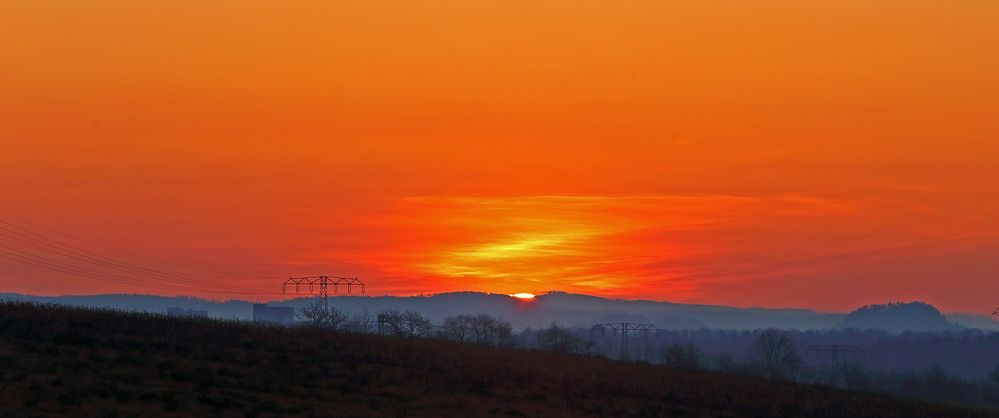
pixel 523 295
pixel 774 153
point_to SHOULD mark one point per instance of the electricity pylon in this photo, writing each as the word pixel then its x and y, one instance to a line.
pixel 624 328
pixel 835 352
pixel 322 284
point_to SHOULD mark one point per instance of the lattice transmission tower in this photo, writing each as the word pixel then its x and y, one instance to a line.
pixel 837 353
pixel 322 284
pixel 625 328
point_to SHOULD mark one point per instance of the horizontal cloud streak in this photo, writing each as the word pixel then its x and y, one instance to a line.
pixel 724 249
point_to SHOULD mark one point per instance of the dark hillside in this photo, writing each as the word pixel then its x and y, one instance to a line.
pixel 59 361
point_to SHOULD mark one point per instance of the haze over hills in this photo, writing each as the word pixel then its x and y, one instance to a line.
pixel 59 361
pixel 570 309
pixel 953 342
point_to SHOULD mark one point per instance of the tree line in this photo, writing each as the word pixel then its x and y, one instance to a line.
pixel 771 353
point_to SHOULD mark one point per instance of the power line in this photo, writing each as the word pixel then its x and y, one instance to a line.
pixel 103 264
pixel 39 261
pixel 121 272
pixel 89 255
pixel 64 257
pixel 43 242
pixel 106 247
pixel 64 268
pixel 113 279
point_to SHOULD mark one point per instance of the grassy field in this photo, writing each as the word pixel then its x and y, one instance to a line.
pixel 59 361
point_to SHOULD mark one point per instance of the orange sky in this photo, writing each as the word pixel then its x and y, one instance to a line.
pixel 820 154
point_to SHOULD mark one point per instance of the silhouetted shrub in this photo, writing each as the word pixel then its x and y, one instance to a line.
pixel 686 356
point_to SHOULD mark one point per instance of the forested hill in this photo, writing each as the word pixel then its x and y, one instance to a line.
pixel 899 317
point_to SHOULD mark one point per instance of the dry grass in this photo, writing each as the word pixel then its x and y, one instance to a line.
pixel 67 361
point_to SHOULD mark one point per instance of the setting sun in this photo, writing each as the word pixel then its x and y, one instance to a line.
pixel 771 154
pixel 727 208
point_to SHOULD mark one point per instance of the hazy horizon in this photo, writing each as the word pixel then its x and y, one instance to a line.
pixel 825 155
pixel 304 297
pixel 553 208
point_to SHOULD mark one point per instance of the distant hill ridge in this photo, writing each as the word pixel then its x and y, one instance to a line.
pixel 565 308
pixel 899 317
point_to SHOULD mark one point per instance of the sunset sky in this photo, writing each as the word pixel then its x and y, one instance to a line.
pixel 819 154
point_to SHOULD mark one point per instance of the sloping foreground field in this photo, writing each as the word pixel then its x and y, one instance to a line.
pixel 59 361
